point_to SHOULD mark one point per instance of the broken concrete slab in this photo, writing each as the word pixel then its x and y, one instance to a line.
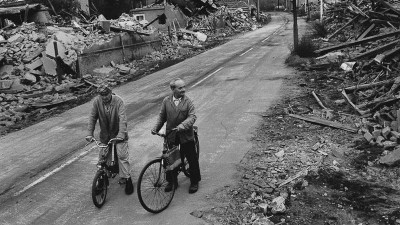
pixel 16 38
pixel 32 56
pixel 6 70
pixel 103 71
pixel 6 84
pixel 31 78
pixel 49 66
pixel 391 159
pixel 50 49
pixel 35 64
pixel 64 38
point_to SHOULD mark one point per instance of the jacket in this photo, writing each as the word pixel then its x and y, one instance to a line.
pixel 116 126
pixel 182 115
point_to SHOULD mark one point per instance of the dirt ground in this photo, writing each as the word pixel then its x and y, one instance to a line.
pixel 340 183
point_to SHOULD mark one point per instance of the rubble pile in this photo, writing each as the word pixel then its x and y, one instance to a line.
pixel 361 55
pixel 34 58
pixel 225 22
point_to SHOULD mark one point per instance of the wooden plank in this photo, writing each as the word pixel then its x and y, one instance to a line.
pixel 352 43
pixel 358 10
pixel 344 26
pixel 361 112
pixel 366 32
pixel 377 50
pixel 318 100
pixel 381 57
pixel 366 86
pixel 389 6
pixel 328 123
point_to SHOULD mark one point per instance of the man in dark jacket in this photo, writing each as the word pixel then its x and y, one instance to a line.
pixel 177 110
pixel 109 109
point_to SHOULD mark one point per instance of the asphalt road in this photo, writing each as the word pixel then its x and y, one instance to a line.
pixel 46 172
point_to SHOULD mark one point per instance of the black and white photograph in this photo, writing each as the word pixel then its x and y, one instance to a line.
pixel 199 112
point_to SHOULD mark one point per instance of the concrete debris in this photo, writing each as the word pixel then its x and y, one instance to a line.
pixel 391 159
pixel 278 205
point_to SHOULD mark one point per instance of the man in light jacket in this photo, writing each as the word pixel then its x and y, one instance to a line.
pixel 177 110
pixel 109 110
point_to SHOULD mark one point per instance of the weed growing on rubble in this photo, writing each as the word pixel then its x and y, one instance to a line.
pixel 319 29
pixel 305 47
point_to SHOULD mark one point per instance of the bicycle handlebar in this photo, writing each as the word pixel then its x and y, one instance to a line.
pixel 101 145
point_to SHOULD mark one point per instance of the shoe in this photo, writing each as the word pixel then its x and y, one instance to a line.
pixel 193 188
pixel 169 187
pixel 129 186
pixel 122 180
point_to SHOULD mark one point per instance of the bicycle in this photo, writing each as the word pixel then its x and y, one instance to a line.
pixel 152 179
pixel 105 171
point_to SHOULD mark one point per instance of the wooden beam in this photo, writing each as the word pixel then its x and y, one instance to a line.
pixel 361 112
pixel 381 57
pixel 318 100
pixel 366 32
pixel 324 122
pixel 389 6
pixel 352 43
pixel 366 86
pixel 377 50
pixel 344 26
pixel 358 10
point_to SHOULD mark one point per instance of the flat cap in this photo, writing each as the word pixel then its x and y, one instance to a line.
pixel 103 89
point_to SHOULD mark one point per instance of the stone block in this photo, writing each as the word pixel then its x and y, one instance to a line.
pixel 393 125
pixel 379 140
pixel 16 38
pixel 389 144
pixel 395 134
pixel 376 133
pixel 368 136
pixel 386 132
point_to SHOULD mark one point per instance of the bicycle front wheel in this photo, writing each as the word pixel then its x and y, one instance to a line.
pixel 99 188
pixel 151 187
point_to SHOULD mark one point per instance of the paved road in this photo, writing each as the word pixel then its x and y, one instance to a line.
pixel 46 172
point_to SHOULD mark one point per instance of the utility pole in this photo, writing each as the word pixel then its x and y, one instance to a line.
pixel 295 30
pixel 258 10
pixel 322 11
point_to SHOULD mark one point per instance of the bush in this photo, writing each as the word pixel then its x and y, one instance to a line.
pixel 305 47
pixel 319 29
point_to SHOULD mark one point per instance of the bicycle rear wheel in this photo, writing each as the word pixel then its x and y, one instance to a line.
pixel 150 188
pixel 185 162
pixel 99 188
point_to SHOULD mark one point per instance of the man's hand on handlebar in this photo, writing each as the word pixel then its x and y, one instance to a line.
pixel 89 138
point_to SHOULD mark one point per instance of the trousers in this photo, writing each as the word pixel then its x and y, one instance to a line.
pixel 123 158
pixel 188 150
